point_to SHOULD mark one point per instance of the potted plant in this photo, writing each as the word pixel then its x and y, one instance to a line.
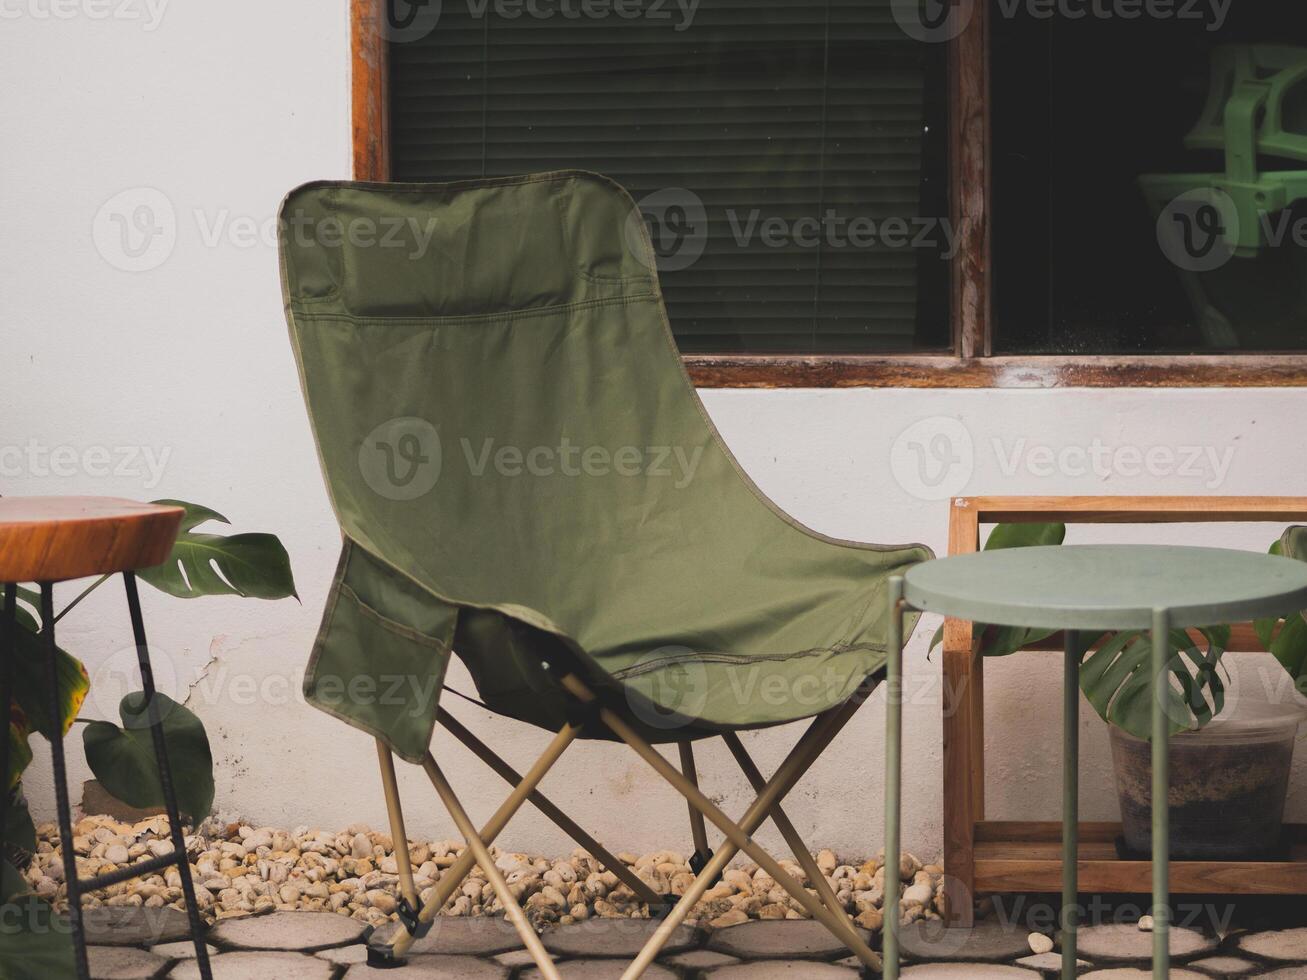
pixel 1229 769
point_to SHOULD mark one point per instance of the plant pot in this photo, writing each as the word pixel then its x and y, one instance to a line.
pixel 1227 788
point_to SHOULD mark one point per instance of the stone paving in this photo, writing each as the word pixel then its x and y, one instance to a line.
pixel 145 944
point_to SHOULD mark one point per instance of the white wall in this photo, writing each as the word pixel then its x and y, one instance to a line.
pixel 221 108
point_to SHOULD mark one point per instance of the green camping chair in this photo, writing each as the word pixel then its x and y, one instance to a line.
pixel 525 477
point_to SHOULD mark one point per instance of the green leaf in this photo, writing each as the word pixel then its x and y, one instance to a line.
pixel 20 831
pixel 1024 536
pixel 12 882
pixel 213 564
pixel 1117 680
pixel 1290 648
pixel 35 944
pixel 123 758
pixel 31 690
pixel 20 750
pixel 1000 641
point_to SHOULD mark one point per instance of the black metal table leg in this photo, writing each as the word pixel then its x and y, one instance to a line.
pixel 155 719
pixel 56 737
pixel 7 623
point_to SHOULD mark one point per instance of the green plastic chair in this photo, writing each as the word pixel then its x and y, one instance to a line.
pixel 525 477
pixel 1256 112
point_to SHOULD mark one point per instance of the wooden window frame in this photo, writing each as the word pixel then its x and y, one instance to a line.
pixel 970 364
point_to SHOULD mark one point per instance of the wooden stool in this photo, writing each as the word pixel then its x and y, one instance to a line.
pixel 53 539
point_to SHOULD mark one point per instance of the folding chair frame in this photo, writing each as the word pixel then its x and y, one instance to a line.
pixel 707 865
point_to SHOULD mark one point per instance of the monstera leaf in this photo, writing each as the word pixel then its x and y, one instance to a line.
pixel 213 564
pixel 1287 639
pixel 999 641
pixel 123 759
pixel 1117 679
pixel 29 711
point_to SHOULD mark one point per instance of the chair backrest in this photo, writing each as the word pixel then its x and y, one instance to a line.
pixel 502 414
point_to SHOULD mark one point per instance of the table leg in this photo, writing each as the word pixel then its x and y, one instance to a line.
pixel 7 625
pixel 1070 799
pixel 62 805
pixel 893 776
pixel 155 720
pixel 1161 791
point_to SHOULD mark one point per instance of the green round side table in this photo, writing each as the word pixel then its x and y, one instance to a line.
pixel 1076 588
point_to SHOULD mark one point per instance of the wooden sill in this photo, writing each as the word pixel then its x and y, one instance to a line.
pixel 946 371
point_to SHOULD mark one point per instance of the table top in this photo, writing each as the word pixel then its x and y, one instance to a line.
pixel 1105 587
pixel 51 539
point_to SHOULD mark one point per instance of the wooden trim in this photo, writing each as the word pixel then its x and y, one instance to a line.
pixel 1027 857
pixel 969 166
pixel 1043 371
pixel 369 81
pixel 963 736
pixel 1135 510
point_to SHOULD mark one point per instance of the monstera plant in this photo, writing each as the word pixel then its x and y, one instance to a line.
pixel 121 756
pixel 1114 667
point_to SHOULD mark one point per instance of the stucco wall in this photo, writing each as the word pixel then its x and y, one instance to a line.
pixel 178 381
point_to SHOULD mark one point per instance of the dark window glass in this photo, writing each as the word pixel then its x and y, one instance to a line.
pixel 790 157
pixel 1119 224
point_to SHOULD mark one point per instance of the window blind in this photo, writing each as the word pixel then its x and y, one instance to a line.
pixel 773 142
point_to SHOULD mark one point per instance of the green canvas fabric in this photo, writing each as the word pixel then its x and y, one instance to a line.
pixel 523 474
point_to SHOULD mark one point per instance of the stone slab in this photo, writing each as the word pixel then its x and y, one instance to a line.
pixel 305 932
pixel 986 942
pixel 182 950
pixel 1286 973
pixel 967 971
pixel 260 965
pixel 458 935
pixel 124 963
pixel 1121 942
pixel 1281 944
pixel 432 968
pixel 598 970
pixel 613 937
pixel 778 939
pixel 783 970
pixel 1133 973
pixel 126 925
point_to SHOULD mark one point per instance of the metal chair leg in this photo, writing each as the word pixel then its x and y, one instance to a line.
pixel 1070 800
pixel 1161 791
pixel 893 777
pixel 155 720
pixel 698 829
pixel 61 784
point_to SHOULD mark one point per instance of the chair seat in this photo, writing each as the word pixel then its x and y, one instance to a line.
pixel 52 539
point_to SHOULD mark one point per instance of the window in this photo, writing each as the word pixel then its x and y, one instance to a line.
pixel 790 156
pixel 897 192
pixel 1112 184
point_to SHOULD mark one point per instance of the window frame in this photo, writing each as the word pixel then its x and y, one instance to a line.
pixel 970 363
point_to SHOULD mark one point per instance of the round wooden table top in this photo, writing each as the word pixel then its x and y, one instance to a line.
pixel 52 539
